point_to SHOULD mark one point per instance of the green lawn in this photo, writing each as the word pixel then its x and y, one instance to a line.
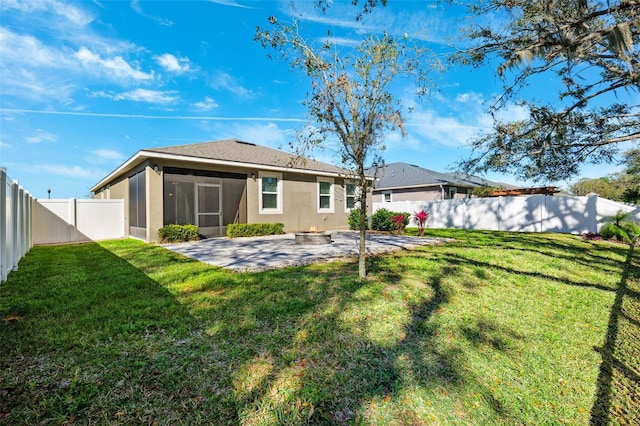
pixel 494 328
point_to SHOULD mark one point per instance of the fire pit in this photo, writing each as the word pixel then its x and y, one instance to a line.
pixel 312 237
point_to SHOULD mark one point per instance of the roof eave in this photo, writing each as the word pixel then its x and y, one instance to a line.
pixel 146 154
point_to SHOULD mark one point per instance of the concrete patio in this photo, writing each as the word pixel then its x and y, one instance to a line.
pixel 278 251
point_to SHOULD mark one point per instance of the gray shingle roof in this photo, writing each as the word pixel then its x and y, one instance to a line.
pixel 237 151
pixel 401 175
pixel 481 181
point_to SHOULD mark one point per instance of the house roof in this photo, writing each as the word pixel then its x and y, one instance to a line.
pixel 481 181
pixel 229 152
pixel 247 153
pixel 403 175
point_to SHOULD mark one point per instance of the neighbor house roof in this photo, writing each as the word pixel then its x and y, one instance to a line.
pixel 403 175
pixel 481 181
pixel 230 152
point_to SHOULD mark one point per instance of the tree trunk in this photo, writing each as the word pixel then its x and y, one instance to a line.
pixel 362 250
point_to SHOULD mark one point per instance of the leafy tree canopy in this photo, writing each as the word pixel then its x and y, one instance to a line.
pixel 591 48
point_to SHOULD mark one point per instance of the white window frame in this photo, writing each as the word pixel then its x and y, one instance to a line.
pixel 384 196
pixel 346 196
pixel 331 182
pixel 261 209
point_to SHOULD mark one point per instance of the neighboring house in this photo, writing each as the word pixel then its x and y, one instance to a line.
pixel 407 182
pixel 214 184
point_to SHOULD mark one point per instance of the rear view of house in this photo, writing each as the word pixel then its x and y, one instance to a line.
pixel 214 184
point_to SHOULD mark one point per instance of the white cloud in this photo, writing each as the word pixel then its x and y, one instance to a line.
pixel 207 104
pixel 34 86
pixel 29 51
pixel 444 130
pixel 41 136
pixel 342 41
pixel 230 3
pixel 66 11
pixel 457 121
pixel 70 171
pixel 470 98
pixel 108 154
pixel 173 64
pixel 115 67
pixel 135 5
pixel 149 96
pixel 223 81
pixel 426 22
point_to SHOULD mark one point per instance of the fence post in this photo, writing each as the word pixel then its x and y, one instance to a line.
pixel 21 223
pixel 3 225
pixel 28 202
pixel 74 218
pixel 15 258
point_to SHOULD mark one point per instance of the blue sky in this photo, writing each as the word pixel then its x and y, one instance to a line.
pixel 85 85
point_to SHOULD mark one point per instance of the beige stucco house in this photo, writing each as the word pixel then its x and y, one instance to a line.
pixel 213 184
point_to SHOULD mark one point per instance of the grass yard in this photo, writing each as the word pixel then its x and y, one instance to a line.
pixel 494 328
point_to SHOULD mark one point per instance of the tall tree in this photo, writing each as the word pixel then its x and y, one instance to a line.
pixel 351 98
pixel 605 187
pixel 591 49
pixel 622 186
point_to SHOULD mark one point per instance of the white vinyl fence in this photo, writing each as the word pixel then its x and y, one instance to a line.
pixel 533 213
pixel 25 221
pixel 71 220
pixel 15 224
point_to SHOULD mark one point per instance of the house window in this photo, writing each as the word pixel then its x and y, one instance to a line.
pixel 349 196
pixel 386 197
pixel 270 187
pixel 325 195
pixel 452 193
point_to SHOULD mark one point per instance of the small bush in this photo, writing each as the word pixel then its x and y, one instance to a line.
pixel 611 231
pixel 619 230
pixel 354 220
pixel 236 230
pixel 382 220
pixel 178 233
pixel 632 229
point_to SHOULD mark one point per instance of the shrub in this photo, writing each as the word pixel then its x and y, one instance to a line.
pixel 382 220
pixel 632 229
pixel 354 220
pixel 611 231
pixel 236 230
pixel 619 230
pixel 178 233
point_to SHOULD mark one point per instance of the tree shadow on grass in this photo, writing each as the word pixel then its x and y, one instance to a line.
pixel 94 339
pixel 164 338
pixel 618 385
